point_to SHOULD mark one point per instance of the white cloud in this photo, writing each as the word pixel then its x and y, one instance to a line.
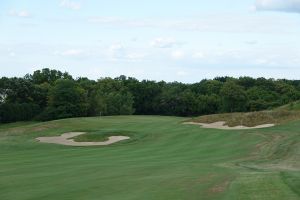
pixel 181 73
pixel 134 39
pixel 198 55
pixel 12 54
pixel 229 23
pixel 70 4
pixel 251 42
pixel 21 13
pixel 70 52
pixel 117 52
pixel 177 54
pixel 117 21
pixel 265 62
pixel 116 47
pixel 106 20
pixel 164 43
pixel 135 56
pixel 278 5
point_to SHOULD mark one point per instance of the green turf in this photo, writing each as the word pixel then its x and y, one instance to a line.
pixel 294 106
pixel 164 160
pixel 102 135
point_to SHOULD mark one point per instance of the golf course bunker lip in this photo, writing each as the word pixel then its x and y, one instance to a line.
pixel 64 139
pixel 221 125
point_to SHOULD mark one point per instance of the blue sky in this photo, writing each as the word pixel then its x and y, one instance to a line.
pixel 162 40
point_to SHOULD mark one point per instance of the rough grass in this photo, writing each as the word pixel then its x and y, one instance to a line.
pixel 165 160
pixel 294 106
pixel 287 113
pixel 251 119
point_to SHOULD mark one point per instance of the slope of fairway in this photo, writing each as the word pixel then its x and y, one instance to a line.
pixel 163 159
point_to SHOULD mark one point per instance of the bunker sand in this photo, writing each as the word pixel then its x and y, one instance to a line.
pixel 65 139
pixel 221 125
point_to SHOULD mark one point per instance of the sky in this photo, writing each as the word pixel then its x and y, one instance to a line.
pixel 171 40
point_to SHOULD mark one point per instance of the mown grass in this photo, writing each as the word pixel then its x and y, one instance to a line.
pixel 102 135
pixel 292 179
pixel 164 160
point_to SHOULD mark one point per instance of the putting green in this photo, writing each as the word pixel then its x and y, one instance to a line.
pixel 164 159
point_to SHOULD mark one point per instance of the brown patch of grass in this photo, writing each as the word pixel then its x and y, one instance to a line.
pixel 42 127
pixel 220 187
pixel 206 179
pixel 26 129
pixel 251 119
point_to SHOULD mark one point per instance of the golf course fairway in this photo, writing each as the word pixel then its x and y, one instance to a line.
pixel 164 159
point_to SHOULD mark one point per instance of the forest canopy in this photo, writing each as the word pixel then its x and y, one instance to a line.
pixel 51 94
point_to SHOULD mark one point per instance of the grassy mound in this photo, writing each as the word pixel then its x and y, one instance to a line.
pixel 290 112
pixel 294 106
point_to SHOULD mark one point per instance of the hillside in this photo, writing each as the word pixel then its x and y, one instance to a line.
pixel 280 115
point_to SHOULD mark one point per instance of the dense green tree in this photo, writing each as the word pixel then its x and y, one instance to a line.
pixel 40 94
pixel 234 98
pixel 287 92
pixel 260 98
pixel 3 89
pixel 208 104
pixel 66 99
pixel 169 100
pixel 145 94
pixel 11 112
pixel 88 86
pixel 19 90
pixel 111 97
pixel 47 76
pixel 17 102
pixel 246 82
pixel 51 94
pixel 207 87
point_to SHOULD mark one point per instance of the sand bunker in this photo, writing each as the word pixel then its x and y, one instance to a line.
pixel 221 125
pixel 64 139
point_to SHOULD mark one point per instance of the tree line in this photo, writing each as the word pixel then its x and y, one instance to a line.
pixel 51 94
